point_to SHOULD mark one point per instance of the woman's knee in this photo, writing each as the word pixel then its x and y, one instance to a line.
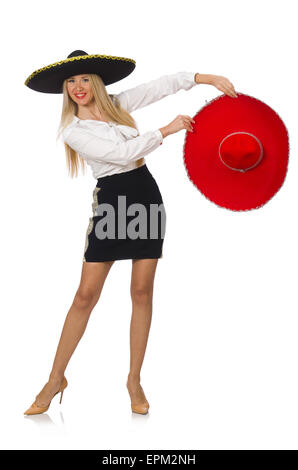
pixel 141 295
pixel 85 298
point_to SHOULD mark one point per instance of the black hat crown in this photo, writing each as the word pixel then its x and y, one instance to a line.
pixel 77 53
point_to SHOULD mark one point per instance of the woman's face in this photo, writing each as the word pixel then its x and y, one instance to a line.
pixel 79 89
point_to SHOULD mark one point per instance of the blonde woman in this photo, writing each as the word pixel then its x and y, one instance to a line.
pixel 128 215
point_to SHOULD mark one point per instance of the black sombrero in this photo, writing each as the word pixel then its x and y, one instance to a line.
pixel 49 79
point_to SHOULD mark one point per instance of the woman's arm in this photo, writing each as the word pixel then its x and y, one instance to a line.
pixel 96 148
pixel 150 92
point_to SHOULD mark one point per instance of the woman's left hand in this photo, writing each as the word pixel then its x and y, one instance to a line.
pixel 223 84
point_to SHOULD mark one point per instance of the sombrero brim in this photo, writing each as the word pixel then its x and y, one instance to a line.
pixel 228 188
pixel 49 79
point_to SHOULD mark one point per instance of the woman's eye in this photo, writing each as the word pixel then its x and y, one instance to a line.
pixel 71 79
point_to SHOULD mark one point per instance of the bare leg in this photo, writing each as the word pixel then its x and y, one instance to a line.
pixel 142 281
pixel 92 280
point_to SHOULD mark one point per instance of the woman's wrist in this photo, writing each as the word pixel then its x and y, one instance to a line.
pixel 164 131
pixel 203 78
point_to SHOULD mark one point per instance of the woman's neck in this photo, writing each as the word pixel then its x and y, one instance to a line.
pixel 91 113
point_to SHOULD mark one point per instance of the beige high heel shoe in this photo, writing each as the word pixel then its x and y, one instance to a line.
pixel 36 410
pixel 140 408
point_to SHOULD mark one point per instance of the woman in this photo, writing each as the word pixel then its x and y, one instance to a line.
pixel 98 128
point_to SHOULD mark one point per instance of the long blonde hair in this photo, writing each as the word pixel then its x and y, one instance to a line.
pixel 106 104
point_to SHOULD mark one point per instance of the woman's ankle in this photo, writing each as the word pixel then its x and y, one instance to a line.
pixel 56 377
pixel 133 378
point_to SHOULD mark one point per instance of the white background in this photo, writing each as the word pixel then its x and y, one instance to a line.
pixel 220 371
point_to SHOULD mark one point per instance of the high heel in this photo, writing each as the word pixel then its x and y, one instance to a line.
pixel 61 397
pixel 35 409
pixel 140 408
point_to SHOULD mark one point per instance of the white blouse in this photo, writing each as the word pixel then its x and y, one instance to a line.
pixel 111 148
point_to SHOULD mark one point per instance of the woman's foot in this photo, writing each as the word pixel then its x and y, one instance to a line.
pixel 139 402
pixel 48 392
pixel 43 399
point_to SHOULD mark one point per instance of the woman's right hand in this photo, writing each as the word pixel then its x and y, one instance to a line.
pixel 180 122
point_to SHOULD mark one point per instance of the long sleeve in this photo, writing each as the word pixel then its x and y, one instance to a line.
pixel 101 149
pixel 150 92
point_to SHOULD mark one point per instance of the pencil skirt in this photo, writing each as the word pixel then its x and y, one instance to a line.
pixel 129 218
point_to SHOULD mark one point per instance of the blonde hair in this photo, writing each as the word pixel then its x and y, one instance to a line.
pixel 106 104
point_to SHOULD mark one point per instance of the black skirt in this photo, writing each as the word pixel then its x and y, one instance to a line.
pixel 129 218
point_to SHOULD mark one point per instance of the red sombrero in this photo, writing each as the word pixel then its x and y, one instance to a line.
pixel 238 154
